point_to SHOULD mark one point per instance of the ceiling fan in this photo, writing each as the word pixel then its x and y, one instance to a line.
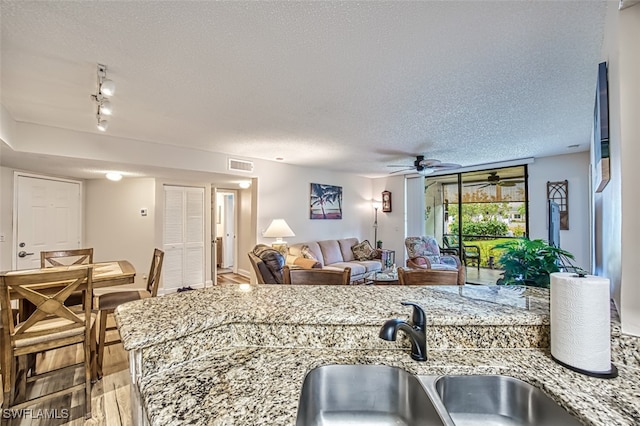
pixel 494 179
pixel 425 166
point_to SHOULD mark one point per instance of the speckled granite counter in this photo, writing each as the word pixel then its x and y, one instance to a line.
pixel 228 356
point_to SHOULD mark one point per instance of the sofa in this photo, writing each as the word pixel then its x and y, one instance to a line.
pixel 336 255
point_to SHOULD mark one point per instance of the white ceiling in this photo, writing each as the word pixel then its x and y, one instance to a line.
pixel 350 86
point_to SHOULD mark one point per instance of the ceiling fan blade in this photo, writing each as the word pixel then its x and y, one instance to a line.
pixel 402 170
pixel 445 166
pixel 399 165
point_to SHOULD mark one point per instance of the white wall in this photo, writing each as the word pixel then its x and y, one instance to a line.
pixel 616 208
pixel 6 217
pixel 575 169
pixel 284 192
pixel 245 239
pixel 630 153
pixel 114 226
pixel 391 226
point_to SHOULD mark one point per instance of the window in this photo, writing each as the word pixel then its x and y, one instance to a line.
pixel 480 208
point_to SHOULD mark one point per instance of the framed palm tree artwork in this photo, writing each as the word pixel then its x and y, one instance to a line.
pixel 325 201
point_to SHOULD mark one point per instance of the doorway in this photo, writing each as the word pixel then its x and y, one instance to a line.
pixel 224 215
pixel 47 216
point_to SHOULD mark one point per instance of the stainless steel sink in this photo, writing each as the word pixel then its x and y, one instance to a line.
pixel 364 395
pixel 495 400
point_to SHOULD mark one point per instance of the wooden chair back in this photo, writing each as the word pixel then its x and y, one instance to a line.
pixel 51 325
pixel 50 259
pixel 316 276
pixel 47 292
pixel 427 277
pixel 154 274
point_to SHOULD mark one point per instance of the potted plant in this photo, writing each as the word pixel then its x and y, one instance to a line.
pixel 379 244
pixel 530 262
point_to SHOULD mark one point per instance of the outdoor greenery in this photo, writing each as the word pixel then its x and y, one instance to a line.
pixel 489 227
pixel 486 219
pixel 530 262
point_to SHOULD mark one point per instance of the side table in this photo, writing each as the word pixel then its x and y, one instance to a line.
pixel 388 258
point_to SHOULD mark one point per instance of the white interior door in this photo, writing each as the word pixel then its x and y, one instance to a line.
pixel 229 238
pixel 47 216
pixel 184 249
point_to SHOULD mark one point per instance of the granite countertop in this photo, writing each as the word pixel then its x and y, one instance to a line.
pixel 261 386
pixel 238 355
pixel 151 321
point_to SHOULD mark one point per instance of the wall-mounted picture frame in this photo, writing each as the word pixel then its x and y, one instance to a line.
pixel 601 130
pixel 325 201
pixel 386 201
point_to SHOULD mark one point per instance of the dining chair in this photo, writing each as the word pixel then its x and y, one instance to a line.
pixel 427 277
pixel 52 325
pixel 51 259
pixel 316 276
pixel 108 302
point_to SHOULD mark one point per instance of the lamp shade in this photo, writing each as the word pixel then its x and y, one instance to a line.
pixel 278 229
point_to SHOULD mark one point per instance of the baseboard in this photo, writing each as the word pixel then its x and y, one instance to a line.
pixel 244 273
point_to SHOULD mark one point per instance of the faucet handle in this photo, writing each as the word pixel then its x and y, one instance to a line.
pixel 418 318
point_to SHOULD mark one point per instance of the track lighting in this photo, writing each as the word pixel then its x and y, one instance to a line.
pixel 106 88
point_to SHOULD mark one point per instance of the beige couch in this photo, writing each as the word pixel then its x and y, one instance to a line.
pixel 337 254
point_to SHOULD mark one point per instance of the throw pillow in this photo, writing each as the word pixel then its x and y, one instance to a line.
pixel 363 251
pixel 307 253
pixel 306 263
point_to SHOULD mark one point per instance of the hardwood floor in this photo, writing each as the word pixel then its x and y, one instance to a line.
pixel 110 398
pixel 231 278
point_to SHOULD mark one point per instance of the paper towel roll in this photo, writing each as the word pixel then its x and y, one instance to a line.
pixel 580 321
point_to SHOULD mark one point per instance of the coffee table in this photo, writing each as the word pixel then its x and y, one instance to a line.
pixel 384 278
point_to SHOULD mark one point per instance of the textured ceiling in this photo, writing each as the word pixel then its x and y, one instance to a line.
pixel 350 86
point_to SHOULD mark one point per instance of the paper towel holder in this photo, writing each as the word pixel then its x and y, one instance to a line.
pixel 611 374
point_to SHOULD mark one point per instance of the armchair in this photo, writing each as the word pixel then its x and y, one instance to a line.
pixel 423 252
pixel 267 264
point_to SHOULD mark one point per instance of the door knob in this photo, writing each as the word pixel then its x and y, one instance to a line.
pixel 24 254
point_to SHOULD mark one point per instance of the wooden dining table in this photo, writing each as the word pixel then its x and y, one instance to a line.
pixel 105 274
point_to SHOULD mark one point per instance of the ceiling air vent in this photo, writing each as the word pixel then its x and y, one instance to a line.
pixel 240 165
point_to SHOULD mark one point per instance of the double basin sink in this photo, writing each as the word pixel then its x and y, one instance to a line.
pixel 381 395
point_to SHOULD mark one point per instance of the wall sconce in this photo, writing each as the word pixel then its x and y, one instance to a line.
pixel 106 89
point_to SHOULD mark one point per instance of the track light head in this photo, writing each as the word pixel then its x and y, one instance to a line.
pixel 107 88
pixel 105 108
pixel 103 125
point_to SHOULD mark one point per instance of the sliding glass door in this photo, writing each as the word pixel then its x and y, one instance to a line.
pixel 469 213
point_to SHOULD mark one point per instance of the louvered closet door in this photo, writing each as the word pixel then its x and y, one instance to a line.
pixel 183 238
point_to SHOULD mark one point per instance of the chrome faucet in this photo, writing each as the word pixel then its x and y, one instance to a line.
pixel 415 330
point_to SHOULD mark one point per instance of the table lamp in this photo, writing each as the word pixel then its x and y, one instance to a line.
pixel 279 229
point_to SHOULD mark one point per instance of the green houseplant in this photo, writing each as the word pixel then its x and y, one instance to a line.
pixel 530 262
